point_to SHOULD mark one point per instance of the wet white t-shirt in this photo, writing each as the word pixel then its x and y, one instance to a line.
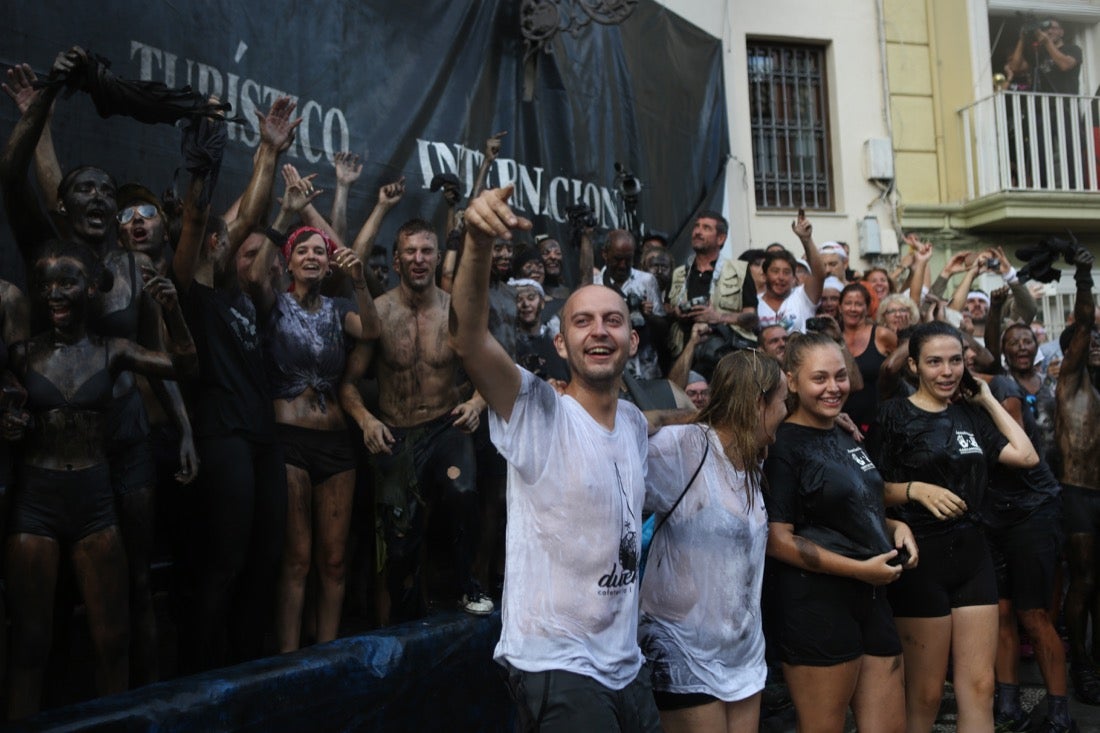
pixel 701 624
pixel 575 496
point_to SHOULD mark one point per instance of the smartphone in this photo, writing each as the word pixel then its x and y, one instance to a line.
pixel 968 386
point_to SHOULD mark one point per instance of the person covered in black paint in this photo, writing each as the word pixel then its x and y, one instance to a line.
pixel 65 499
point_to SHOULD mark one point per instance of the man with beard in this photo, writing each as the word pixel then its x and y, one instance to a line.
pixel 535 350
pixel 570 621
pixel 421 439
pixel 1077 414
pixel 710 289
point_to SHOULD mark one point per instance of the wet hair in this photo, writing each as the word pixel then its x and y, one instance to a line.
pixel 795 356
pixel 69 178
pixel 857 288
pixel 784 255
pixel 409 228
pixel 751 255
pixel 739 381
pixel 926 331
pixel 721 225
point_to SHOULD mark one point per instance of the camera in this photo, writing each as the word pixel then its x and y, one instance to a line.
pixel 1041 258
pixel 634 304
pixel 1030 24
pixel 581 216
pixel 627 183
pixel 993 264
pixel 697 302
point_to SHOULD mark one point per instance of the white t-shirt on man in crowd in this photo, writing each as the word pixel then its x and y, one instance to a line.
pixel 575 497
pixel 792 313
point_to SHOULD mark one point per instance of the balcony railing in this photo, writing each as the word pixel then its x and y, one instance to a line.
pixel 1027 141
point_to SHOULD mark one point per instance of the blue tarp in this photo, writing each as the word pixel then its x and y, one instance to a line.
pixel 431 675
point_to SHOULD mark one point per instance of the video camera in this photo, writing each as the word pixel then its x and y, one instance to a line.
pixel 1040 259
pixel 581 216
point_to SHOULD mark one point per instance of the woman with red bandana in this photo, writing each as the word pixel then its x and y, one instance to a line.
pixel 306 341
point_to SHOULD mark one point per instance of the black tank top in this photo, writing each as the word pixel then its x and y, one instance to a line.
pixel 862 406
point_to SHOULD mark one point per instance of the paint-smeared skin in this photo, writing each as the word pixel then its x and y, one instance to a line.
pixel 809 552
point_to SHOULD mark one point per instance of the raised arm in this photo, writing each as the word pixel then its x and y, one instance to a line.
pixel 20 88
pixel 491 370
pixel 804 230
pixel 296 196
pixel 492 150
pixel 1019 453
pixel 993 321
pixel 921 256
pixel 25 217
pixel 1075 358
pixel 348 168
pixel 276 134
pixel 364 325
pixel 388 196
pixel 681 368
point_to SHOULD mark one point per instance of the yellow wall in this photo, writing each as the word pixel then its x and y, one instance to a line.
pixel 929 68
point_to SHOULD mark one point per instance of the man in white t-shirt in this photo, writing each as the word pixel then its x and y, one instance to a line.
pixel 782 303
pixel 570 611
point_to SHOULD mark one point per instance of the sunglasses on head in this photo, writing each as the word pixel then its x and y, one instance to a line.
pixel 146 211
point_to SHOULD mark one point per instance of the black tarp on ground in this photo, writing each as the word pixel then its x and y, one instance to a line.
pixel 419 84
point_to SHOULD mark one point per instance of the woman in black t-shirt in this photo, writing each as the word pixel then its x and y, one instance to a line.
pixel 935 454
pixel 834 546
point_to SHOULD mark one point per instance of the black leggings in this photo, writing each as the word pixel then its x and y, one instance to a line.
pixel 240 503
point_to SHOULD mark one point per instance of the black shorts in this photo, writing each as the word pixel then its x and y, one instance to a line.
pixel 1081 509
pixel 955 570
pixel 823 620
pixel 681 700
pixel 65 505
pixel 560 701
pixel 320 453
pixel 1025 557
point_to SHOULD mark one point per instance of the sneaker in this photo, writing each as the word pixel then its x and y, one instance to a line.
pixel 476 603
pixel 1049 726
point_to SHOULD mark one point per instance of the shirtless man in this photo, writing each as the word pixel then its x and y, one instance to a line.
pixel 421 436
pixel 1076 416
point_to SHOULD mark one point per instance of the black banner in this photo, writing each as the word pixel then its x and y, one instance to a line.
pixel 420 85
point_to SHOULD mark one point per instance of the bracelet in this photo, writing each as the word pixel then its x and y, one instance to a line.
pixel 277 237
pixel 908 488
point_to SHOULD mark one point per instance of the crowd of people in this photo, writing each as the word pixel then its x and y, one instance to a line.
pixel 851 480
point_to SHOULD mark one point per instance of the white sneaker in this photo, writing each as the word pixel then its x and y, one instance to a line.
pixel 477 603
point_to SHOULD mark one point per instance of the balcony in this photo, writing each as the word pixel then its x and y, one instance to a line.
pixel 1031 161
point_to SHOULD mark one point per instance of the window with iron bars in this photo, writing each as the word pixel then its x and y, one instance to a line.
pixel 790 131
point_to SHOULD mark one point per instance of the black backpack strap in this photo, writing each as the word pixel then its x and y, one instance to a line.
pixel 706 452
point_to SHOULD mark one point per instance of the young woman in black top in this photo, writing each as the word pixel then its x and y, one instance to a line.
pixel 935 455
pixel 829 532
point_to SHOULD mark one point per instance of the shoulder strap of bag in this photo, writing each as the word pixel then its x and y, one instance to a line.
pixel 706 452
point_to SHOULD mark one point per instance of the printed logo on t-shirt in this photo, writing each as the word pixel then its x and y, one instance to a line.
pixel 624 573
pixel 786 320
pixel 245 329
pixel 861 459
pixel 967 443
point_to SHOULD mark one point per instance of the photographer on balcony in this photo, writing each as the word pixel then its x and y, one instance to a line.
pixel 1041 50
pixel 1054 67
